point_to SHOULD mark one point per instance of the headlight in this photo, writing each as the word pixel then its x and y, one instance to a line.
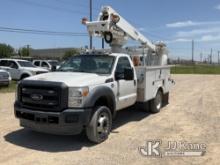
pixel 77 96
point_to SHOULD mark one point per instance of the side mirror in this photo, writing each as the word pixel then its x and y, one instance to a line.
pixel 129 74
pixel 54 68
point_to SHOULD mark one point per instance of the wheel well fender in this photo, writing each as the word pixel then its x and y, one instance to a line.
pixel 159 88
pixel 25 74
pixel 101 96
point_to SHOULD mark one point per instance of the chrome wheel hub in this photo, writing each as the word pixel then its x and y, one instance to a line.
pixel 103 124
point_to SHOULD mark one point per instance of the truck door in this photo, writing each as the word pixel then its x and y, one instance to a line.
pixel 37 63
pixel 126 89
pixel 14 70
pixel 45 65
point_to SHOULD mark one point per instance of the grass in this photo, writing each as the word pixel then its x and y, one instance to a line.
pixel 195 69
pixel 178 69
pixel 8 89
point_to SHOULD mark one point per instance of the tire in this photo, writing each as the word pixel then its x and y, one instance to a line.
pixel 24 76
pixel 100 125
pixel 157 102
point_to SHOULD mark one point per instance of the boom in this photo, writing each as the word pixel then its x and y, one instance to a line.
pixel 115 29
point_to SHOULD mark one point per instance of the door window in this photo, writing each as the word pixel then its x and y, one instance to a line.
pixel 12 64
pixel 45 65
pixel 37 63
pixel 3 63
pixel 123 63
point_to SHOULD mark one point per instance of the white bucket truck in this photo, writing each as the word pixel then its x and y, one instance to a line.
pixel 86 92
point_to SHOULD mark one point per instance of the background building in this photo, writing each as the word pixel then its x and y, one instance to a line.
pixel 51 53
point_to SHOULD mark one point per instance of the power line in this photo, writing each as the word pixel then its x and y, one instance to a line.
pixel 23 32
pixel 218 57
pixel 85 5
pixel 57 8
pixel 41 32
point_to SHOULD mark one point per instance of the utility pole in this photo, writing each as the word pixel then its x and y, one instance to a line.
pixel 218 57
pixel 201 57
pixel 103 43
pixel 90 15
pixel 28 50
pixel 211 57
pixel 192 51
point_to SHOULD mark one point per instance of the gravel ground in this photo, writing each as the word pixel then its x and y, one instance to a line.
pixel 193 115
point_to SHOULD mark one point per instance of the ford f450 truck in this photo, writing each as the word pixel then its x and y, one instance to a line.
pixel 87 90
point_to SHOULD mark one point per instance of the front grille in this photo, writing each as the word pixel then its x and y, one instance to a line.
pixel 33 117
pixel 45 96
pixel 4 75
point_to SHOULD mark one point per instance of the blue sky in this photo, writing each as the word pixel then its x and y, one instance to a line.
pixel 176 22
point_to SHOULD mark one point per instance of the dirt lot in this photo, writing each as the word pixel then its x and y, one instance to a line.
pixel 193 115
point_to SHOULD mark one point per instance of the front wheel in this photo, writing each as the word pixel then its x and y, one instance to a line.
pixel 157 102
pixel 100 125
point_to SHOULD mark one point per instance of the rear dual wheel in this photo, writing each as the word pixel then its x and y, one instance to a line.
pixel 157 102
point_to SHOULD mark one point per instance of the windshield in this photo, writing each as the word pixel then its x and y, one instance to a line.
pixel 100 64
pixel 26 64
pixel 53 63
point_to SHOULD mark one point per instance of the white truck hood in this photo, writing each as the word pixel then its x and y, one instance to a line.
pixel 34 69
pixel 71 79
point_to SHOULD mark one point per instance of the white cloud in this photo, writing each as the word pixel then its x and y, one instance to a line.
pixel 180 24
pixel 142 29
pixel 205 38
pixel 182 40
pixel 190 23
pixel 197 32
pixel 210 38
pixel 179 40
pixel 217 7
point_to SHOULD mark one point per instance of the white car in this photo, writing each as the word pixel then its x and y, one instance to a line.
pixel 20 69
pixel 5 78
pixel 46 64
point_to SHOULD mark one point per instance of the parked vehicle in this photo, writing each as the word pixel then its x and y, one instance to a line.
pixel 47 64
pixel 5 78
pixel 20 69
pixel 87 90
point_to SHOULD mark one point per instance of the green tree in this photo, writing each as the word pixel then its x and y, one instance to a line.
pixel 24 52
pixel 70 53
pixel 6 51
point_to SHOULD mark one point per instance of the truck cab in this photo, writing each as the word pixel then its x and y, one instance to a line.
pixel 68 100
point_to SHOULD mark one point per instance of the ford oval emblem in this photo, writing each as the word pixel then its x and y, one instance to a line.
pixel 36 97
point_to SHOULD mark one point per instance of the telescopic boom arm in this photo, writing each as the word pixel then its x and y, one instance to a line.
pixel 115 29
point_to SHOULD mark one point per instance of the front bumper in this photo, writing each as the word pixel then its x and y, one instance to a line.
pixel 67 122
pixel 5 82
